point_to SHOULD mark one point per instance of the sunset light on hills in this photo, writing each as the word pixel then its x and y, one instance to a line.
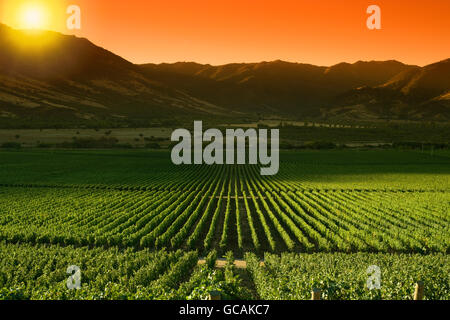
pixel 322 32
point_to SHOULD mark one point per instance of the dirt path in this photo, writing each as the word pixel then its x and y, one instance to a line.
pixel 221 263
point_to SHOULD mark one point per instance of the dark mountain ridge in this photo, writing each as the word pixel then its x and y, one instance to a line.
pixel 378 89
pixel 49 77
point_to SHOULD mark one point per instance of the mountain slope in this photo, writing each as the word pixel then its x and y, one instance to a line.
pixel 50 79
pixel 277 87
pixel 49 76
pixel 416 93
pixel 423 83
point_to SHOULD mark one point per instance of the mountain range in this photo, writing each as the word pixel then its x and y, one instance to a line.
pixel 51 79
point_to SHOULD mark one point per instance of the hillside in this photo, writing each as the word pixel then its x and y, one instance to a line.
pixel 46 77
pixel 363 90
pixel 278 87
pixel 415 93
pixel 52 80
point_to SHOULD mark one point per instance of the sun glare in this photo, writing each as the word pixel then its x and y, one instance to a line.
pixel 33 17
pixel 34 14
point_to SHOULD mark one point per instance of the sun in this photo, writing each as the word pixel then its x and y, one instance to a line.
pixel 33 17
pixel 34 14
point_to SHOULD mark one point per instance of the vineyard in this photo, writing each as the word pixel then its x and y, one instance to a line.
pixel 39 272
pixel 148 222
pixel 344 276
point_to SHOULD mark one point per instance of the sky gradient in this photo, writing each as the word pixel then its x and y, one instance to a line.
pixel 321 32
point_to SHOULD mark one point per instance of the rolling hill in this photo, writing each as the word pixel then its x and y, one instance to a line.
pixel 48 79
pixel 416 93
pixel 278 87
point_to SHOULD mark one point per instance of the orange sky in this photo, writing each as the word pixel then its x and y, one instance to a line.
pixel 322 32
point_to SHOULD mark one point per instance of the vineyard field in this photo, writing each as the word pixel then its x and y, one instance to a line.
pixel 228 207
pixel 39 272
pixel 344 276
pixel 340 210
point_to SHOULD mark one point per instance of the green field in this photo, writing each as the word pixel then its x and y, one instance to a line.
pixel 329 214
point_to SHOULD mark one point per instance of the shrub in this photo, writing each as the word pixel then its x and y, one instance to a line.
pixel 153 145
pixel 11 145
pixel 86 143
pixel 318 145
pixel 44 145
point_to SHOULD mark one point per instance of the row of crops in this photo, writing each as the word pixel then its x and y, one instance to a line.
pixel 150 170
pixel 232 209
pixel 339 276
pixel 41 272
pixel 136 226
